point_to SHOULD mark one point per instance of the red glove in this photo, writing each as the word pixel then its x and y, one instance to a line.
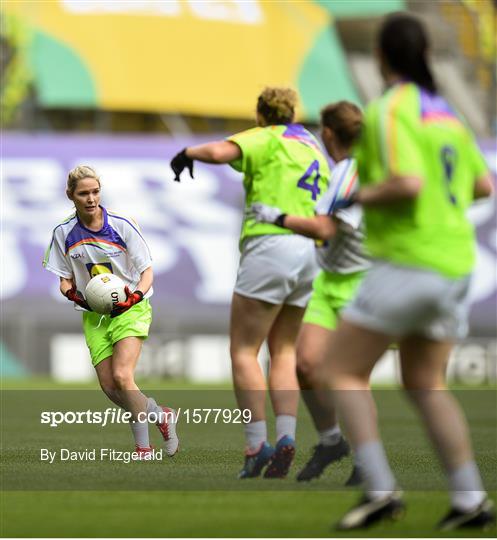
pixel 132 298
pixel 75 296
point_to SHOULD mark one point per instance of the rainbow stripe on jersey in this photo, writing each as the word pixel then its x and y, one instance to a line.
pixel 298 133
pixel 106 239
pixel 345 184
pixel 79 253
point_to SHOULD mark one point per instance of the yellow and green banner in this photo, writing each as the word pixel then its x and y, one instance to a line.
pixel 193 57
pixel 350 9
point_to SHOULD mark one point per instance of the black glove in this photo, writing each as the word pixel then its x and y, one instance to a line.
pixel 75 296
pixel 179 162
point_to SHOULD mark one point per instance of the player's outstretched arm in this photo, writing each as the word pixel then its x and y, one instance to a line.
pixel 321 227
pixel 317 227
pixel 214 152
pixel 392 190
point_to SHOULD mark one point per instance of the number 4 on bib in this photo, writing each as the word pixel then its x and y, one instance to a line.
pixel 310 180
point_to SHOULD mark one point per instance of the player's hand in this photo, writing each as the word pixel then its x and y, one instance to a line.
pixel 263 213
pixel 77 297
pixel 132 298
pixel 179 162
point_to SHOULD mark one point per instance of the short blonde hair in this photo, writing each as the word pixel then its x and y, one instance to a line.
pixel 79 173
pixel 277 105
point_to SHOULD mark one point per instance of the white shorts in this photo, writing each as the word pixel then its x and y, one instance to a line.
pixel 278 269
pixel 402 300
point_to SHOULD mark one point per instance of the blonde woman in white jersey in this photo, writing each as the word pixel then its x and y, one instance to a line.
pixel 341 256
pixel 91 241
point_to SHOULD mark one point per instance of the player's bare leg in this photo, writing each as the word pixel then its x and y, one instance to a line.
pixel 251 321
pixel 124 359
pixel 122 367
pixel 283 387
pixel 424 364
pixel 106 380
pixel 350 360
pixel 312 346
pixel 353 353
pixel 283 383
pixel 104 374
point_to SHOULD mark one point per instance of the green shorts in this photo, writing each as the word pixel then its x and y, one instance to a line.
pixel 101 332
pixel 330 293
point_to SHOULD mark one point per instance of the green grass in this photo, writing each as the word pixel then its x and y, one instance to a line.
pixel 196 493
pixel 191 514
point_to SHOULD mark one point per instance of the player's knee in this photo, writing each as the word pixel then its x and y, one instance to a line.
pixel 282 348
pixel 417 383
pixel 122 378
pixel 234 354
pixel 307 367
pixel 243 356
pixel 108 388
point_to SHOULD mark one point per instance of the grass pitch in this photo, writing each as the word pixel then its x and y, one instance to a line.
pixel 196 493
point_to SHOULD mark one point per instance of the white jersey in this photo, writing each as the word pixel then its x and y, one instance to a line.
pixel 79 253
pixel 344 253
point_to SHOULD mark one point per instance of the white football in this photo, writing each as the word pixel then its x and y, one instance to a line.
pixel 104 291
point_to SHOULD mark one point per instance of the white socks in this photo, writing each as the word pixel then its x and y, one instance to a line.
pixel 375 470
pixel 140 429
pixel 330 436
pixel 285 425
pixel 466 488
pixel 153 407
pixel 255 434
pixel 140 433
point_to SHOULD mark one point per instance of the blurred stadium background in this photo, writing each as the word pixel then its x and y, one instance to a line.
pixel 123 85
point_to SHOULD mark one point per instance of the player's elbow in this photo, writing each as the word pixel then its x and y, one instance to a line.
pixel 65 284
pixel 216 154
pixel 223 152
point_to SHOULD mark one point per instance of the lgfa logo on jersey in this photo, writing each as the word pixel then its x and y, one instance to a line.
pixel 99 268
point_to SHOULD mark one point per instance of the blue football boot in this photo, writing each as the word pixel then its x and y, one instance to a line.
pixel 282 458
pixel 254 463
